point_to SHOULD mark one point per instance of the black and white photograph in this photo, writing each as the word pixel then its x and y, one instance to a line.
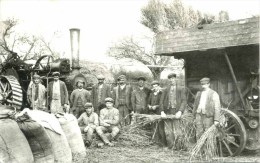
pixel 129 81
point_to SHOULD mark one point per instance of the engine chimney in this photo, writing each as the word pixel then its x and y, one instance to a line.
pixel 74 42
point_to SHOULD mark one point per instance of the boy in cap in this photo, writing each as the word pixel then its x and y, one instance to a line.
pixel 78 98
pixel 122 96
pixel 154 108
pixel 100 91
pixel 206 108
pixel 58 95
pixel 139 97
pixel 88 121
pixel 109 120
pixel 36 94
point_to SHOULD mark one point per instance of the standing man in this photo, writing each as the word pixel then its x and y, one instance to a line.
pixel 139 97
pixel 99 93
pixel 58 95
pixel 154 108
pixel 109 120
pixel 88 121
pixel 173 102
pixel 78 98
pixel 36 94
pixel 122 96
pixel 206 108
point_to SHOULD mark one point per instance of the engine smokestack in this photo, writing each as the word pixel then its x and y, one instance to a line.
pixel 74 42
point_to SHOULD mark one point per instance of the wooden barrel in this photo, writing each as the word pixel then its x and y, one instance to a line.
pixel 14 147
pixel 39 141
pixel 70 126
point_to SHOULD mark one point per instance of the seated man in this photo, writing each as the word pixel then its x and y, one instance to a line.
pixel 88 121
pixel 109 120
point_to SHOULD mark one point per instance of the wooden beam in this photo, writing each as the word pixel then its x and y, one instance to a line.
pixel 235 80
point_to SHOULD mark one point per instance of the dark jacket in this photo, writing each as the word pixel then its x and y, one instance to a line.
pixel 212 107
pixel 105 92
pixel 64 96
pixel 115 96
pixel 139 99
pixel 154 100
pixel 181 100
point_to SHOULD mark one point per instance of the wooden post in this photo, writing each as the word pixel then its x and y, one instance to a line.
pixel 235 80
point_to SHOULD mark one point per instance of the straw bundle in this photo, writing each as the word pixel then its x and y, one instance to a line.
pixel 206 146
pixel 181 129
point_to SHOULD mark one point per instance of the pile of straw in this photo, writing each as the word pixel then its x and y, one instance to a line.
pixel 206 146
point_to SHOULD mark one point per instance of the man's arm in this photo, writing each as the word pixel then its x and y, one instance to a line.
pixel 95 124
pixel 183 100
pixel 66 93
pixel 115 119
pixel 133 100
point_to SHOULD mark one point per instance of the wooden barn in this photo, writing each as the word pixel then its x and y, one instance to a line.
pixel 228 53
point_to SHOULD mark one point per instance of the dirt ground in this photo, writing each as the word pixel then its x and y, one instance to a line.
pixel 152 154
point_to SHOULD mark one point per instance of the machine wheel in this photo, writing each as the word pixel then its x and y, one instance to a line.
pixel 10 92
pixel 232 137
pixel 43 62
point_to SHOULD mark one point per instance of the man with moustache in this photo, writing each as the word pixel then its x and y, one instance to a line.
pixel 206 108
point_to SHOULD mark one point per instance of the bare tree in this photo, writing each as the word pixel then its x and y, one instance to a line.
pixel 25 46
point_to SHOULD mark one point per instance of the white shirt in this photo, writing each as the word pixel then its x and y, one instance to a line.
pixel 56 90
pixel 122 86
pixel 203 99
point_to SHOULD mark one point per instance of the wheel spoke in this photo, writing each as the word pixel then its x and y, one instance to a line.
pixel 230 127
pixel 229 150
pixel 238 135
pixel 2 87
pixel 220 149
pixel 235 144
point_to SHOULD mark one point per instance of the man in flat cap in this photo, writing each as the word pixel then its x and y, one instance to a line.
pixel 88 121
pixel 58 95
pixel 140 96
pixel 109 120
pixel 36 94
pixel 100 91
pixel 206 108
pixel 122 96
pixel 173 102
pixel 78 98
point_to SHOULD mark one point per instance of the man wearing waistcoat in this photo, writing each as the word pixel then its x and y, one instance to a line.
pixel 122 96
pixel 58 95
pixel 140 97
pixel 78 98
pixel 100 92
pixel 206 108
pixel 173 102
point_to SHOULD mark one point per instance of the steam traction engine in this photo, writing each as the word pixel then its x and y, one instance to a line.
pixel 228 53
pixel 16 75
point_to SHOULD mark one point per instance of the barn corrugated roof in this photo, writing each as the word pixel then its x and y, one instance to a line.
pixel 211 36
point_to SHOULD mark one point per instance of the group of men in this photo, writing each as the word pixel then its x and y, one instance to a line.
pixel 104 110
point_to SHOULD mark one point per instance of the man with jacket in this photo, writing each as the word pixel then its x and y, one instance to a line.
pixel 122 96
pixel 173 102
pixel 78 98
pixel 139 97
pixel 100 91
pixel 206 108
pixel 58 95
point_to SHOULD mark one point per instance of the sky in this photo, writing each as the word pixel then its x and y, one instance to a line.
pixel 101 22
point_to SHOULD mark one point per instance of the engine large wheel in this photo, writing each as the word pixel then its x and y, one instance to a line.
pixel 232 138
pixel 10 92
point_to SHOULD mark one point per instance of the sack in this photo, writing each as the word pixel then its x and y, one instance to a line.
pixel 14 147
pixel 5 111
pixel 70 126
pixel 39 141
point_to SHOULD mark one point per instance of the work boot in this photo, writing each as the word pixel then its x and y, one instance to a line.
pixel 105 139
